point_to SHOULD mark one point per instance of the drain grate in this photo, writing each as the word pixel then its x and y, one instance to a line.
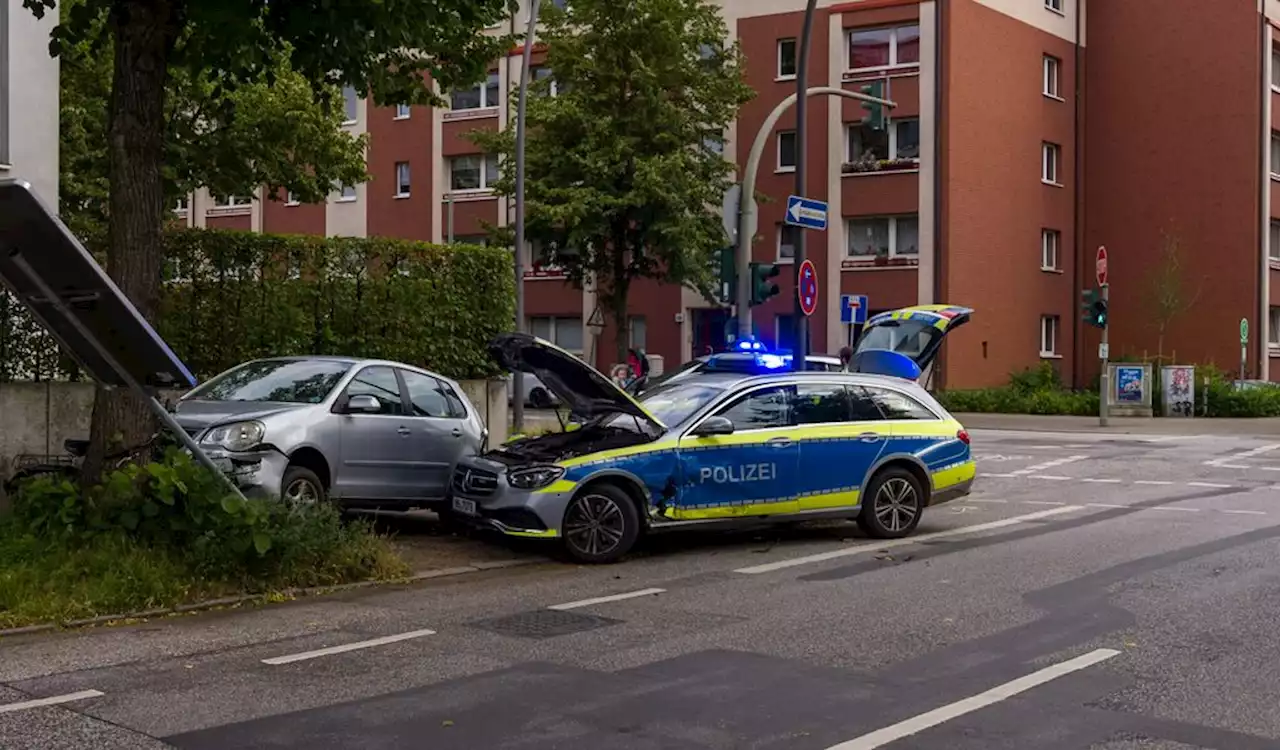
pixel 543 623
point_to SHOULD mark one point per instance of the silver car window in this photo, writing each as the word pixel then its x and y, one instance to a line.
pixel 283 381
pixel 379 382
pixel 432 398
pixel 760 410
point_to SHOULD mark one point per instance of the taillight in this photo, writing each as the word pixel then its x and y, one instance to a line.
pixel 963 436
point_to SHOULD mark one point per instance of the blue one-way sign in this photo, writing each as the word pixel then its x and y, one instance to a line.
pixel 806 212
pixel 853 308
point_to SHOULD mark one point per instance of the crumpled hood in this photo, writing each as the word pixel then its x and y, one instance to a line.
pixel 195 415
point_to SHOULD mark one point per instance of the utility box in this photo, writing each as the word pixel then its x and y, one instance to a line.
pixel 1129 391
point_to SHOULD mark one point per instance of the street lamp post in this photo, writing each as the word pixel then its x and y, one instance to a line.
pixel 517 378
pixel 800 321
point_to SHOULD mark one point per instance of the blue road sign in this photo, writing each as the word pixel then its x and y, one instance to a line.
pixel 806 212
pixel 807 287
pixel 853 308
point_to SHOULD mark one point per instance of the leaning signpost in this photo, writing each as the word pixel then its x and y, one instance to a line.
pixel 1244 344
pixel 1104 349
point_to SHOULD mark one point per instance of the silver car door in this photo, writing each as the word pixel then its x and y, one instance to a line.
pixel 439 432
pixel 375 448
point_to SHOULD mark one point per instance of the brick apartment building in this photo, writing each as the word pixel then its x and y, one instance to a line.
pixel 1027 133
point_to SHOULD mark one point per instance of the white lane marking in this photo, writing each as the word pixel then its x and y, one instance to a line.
pixel 1091 480
pixel 1051 477
pixel 1210 484
pixel 51 701
pixel 917 724
pixel 1246 512
pixel 289 659
pixel 1177 509
pixel 1043 502
pixel 1152 481
pixel 998 475
pixel 1247 454
pixel 1242 466
pixel 606 599
pixel 1105 505
pixel 1050 464
pixel 848 551
pixel 985 500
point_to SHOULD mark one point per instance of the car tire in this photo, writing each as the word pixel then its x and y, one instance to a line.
pixel 301 486
pixel 540 399
pixel 600 525
pixel 892 504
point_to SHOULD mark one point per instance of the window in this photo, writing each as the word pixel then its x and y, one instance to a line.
pixel 639 333
pixel 347 192
pixel 481 96
pixel 886 236
pixel 1053 5
pixel 182 205
pixel 759 410
pixel 1052 77
pixel 1049 156
pixel 884 48
pixel 820 404
pixel 895 405
pixel 1273 326
pixel 546 255
pixel 381 383
pixel 1048 335
pixel 565 333
pixel 899 141
pixel 786 150
pixel 864 407
pixel 1273 241
pixel 1050 240
pixel 350 103
pixel 786 58
pixel 787 240
pixel 290 199
pixel 714 144
pixel 403 111
pixel 1275 66
pixel 230 201
pixel 402 179
pixel 1275 154
pixel 542 72
pixel 472 239
pixel 432 398
pixel 473 172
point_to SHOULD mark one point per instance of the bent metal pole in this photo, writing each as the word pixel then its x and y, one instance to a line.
pixel 517 378
pixel 746 209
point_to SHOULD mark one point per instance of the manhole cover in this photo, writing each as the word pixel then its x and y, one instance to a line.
pixel 544 623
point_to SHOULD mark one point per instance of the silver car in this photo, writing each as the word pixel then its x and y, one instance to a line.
pixel 364 433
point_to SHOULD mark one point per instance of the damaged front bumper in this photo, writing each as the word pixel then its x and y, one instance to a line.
pixel 480 495
pixel 257 473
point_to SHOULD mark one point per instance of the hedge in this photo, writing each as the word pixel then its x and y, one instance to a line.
pixel 233 296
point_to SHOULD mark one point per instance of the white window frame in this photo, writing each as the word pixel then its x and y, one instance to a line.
pixel 1050 163
pixel 1273 241
pixel 782 228
pixel 632 320
pixel 485 187
pixel 893 48
pixel 232 201
pixel 1050 331
pixel 403 111
pixel 891 129
pixel 795 59
pixel 350 105
pixel 1050 250
pixel 893 236
pixel 1053 77
pixel 533 76
pixel 290 199
pixel 483 86
pixel 183 204
pixel 347 193
pixel 404 183
pixel 779 166
pixel 1273 327
pixel 1054 6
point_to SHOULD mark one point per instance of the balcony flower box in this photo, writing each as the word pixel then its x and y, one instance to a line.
pixel 880 165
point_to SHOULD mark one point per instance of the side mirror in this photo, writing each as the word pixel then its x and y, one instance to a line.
pixel 714 426
pixel 363 404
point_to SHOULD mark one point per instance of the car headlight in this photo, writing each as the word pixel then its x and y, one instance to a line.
pixel 535 477
pixel 237 436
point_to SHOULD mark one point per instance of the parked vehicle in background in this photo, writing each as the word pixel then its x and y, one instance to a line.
pixel 360 432
pixel 536 393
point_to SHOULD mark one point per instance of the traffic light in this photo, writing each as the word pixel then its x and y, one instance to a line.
pixel 1093 308
pixel 874 116
pixel 761 286
pixel 728 273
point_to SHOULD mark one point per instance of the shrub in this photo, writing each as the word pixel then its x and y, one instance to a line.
pixel 1032 391
pixel 234 296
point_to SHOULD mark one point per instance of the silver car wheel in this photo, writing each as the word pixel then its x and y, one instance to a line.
pixel 896 504
pixel 594 524
pixel 301 492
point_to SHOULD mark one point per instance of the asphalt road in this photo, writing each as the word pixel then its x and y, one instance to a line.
pixel 1096 592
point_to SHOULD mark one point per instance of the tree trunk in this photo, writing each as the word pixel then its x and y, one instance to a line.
pixel 144 32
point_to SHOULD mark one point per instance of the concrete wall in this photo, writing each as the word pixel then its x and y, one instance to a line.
pixel 38 417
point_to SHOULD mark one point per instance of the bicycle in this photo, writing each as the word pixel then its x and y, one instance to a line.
pixel 69 466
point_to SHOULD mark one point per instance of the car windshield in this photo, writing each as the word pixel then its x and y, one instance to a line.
pixel 285 381
pixel 673 404
pixel 909 337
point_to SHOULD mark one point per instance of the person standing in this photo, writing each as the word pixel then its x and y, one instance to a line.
pixel 846 357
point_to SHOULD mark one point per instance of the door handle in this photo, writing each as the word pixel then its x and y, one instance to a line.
pixel 456 432
pixel 869 437
pixel 779 442
pixel 404 430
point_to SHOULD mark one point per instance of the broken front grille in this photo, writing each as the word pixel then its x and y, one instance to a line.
pixel 474 482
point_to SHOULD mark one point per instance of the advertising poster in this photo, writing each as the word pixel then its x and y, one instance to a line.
pixel 1129 385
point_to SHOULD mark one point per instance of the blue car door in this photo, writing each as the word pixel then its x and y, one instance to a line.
pixel 751 472
pixel 843 435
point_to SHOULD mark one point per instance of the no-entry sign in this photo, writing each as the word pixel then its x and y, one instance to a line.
pixel 1100 266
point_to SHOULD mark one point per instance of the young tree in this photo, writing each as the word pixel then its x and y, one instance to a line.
pixel 621 172
pixel 1168 296
pixel 384 47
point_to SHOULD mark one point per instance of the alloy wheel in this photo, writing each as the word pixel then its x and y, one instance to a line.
pixel 595 524
pixel 301 492
pixel 896 504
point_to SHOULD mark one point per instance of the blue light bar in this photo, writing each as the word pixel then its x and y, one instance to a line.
pixel 773 361
pixel 748 345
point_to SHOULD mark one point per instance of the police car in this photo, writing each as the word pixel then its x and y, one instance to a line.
pixel 723 447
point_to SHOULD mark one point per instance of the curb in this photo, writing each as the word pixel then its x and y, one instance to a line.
pixel 294 593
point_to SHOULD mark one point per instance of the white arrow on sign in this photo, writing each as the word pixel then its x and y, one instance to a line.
pixel 797 211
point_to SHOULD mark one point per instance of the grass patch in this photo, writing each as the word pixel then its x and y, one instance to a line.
pixel 166 534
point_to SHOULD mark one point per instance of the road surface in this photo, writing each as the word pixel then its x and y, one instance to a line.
pixel 1097 592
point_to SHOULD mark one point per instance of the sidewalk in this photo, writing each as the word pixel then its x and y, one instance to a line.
pixel 1264 427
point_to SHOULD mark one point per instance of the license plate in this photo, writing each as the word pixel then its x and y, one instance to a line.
pixel 462 505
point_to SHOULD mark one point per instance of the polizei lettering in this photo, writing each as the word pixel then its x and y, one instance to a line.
pixel 736 474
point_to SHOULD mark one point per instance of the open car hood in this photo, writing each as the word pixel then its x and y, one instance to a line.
pixel 903 343
pixel 583 389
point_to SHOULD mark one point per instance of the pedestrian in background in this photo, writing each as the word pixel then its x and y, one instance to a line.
pixel 846 356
